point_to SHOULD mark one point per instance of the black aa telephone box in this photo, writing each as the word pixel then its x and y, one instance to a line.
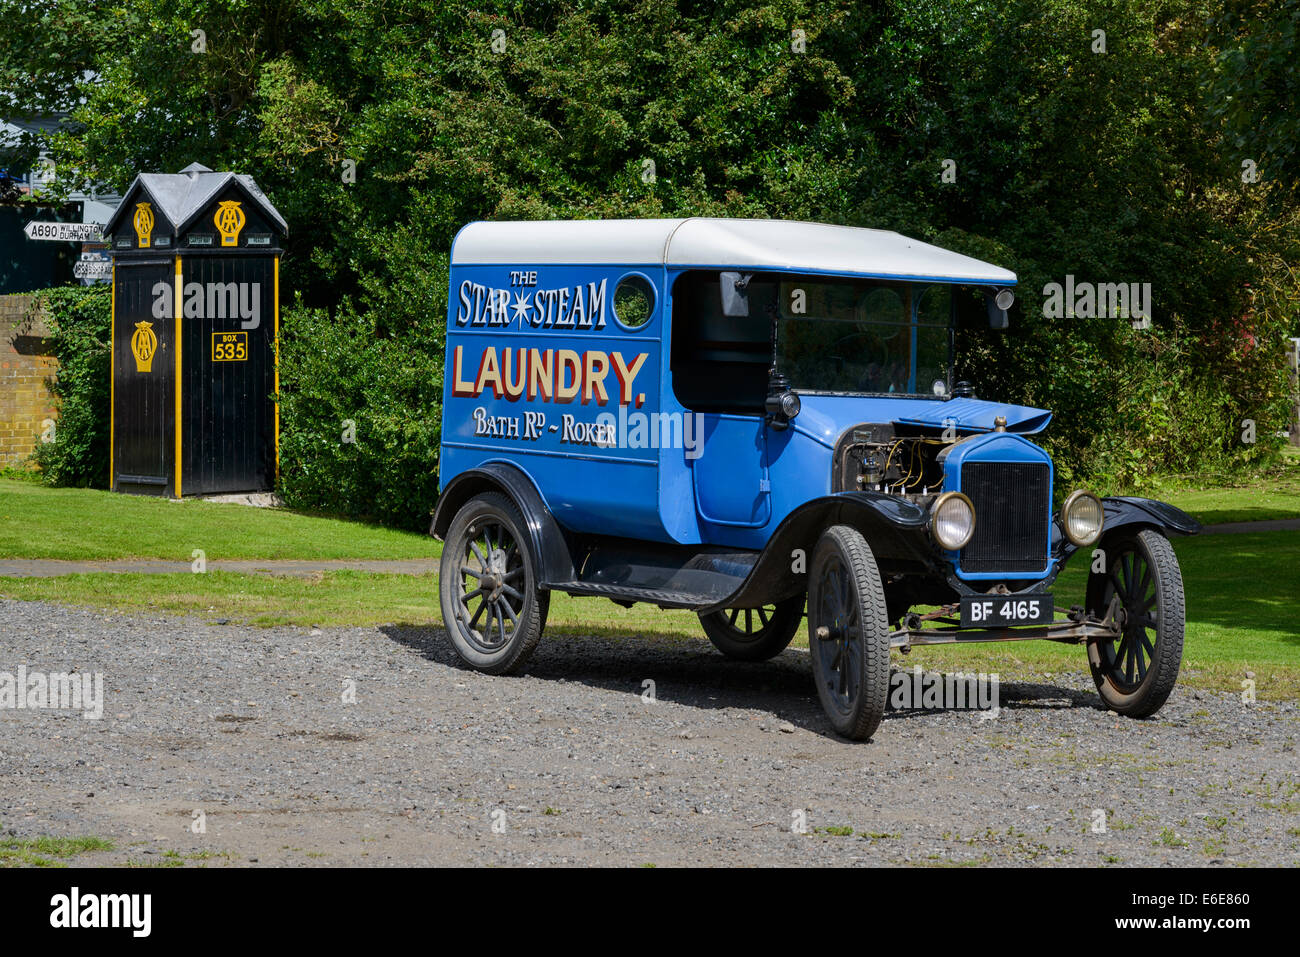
pixel 196 316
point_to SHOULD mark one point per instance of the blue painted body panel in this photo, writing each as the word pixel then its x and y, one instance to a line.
pixel 735 447
pixel 535 358
pixel 977 415
pixel 582 368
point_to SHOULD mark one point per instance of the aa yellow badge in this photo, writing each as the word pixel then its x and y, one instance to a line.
pixel 143 223
pixel 229 220
pixel 144 343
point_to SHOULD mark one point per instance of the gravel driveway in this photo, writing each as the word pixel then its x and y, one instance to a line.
pixel 249 727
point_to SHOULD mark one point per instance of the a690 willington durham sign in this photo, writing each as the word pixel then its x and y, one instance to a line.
pixel 757 419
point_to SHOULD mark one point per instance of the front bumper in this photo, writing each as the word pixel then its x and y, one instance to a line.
pixel 940 628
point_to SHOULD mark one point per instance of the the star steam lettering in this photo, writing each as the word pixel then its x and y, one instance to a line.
pixel 580 306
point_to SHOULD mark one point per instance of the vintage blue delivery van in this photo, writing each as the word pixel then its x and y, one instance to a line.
pixel 757 420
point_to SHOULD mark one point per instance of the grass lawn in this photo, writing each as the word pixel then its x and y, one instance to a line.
pixel 1240 600
pixel 83 524
pixel 1217 499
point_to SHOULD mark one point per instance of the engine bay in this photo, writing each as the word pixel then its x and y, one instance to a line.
pixel 875 457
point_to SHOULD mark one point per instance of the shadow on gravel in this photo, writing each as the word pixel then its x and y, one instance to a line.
pixel 1017 696
pixel 694 674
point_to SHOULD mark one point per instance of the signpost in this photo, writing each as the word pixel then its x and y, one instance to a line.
pixel 64 232
pixel 93 270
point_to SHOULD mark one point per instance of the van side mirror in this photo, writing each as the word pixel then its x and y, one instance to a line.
pixel 735 300
pixel 997 317
pixel 997 308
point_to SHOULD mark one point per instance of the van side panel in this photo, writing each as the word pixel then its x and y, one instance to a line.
pixel 541 372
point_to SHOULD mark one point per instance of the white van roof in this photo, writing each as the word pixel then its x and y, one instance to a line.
pixel 717 243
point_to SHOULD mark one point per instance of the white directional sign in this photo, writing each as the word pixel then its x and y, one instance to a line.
pixel 64 232
pixel 90 270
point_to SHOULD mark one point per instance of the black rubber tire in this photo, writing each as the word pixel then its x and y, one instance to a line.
pixel 732 630
pixel 846 597
pixel 493 650
pixel 1134 675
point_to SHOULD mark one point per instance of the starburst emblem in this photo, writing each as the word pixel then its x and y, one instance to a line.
pixel 521 305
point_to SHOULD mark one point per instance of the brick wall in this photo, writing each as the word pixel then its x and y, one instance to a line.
pixel 25 402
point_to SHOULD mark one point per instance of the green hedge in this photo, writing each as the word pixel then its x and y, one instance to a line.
pixel 79 318
pixel 332 372
pixel 359 417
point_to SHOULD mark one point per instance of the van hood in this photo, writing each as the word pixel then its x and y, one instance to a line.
pixel 825 417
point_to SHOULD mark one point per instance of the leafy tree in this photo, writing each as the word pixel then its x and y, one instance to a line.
pixel 1256 89
pixel 379 129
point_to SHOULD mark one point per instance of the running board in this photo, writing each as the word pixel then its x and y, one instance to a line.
pixel 654 596
pixel 670 576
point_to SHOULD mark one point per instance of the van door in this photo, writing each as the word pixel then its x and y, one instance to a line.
pixel 719 375
pixel 730 473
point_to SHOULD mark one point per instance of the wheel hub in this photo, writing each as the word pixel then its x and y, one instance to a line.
pixel 834 633
pixel 493 579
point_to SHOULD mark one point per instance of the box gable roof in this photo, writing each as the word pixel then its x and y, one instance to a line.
pixel 182 197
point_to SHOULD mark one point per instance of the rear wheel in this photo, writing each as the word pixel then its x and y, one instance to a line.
pixel 754 634
pixel 1143 585
pixel 848 633
pixel 491 606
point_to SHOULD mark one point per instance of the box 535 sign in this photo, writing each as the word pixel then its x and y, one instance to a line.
pixel 229 346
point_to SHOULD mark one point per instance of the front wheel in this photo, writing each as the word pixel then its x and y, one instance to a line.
pixel 491 606
pixel 1142 584
pixel 754 634
pixel 848 632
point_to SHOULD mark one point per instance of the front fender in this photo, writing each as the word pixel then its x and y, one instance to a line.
pixel 896 529
pixel 1127 511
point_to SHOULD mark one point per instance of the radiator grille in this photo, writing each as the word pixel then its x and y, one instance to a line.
pixel 1012 509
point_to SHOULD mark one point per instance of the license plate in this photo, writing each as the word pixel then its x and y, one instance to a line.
pixel 999 611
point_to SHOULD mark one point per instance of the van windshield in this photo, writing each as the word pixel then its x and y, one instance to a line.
pixel 833 335
pixel 848 336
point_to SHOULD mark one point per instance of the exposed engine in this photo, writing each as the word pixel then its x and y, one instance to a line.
pixel 875 458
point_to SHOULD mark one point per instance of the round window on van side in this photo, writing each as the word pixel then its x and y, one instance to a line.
pixel 634 301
